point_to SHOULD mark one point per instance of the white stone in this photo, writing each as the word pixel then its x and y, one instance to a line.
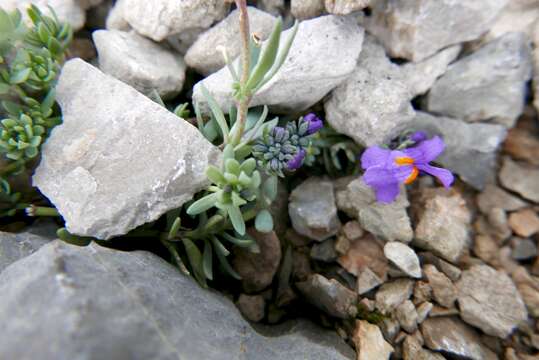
pixel 489 84
pixel 139 62
pixel 306 9
pixel 404 258
pixel 116 18
pixel 205 56
pixel 517 15
pixel 416 29
pixel 159 19
pixel 323 55
pixel 118 160
pixel 345 7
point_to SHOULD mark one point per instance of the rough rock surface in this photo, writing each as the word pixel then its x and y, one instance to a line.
pixel 489 300
pixel 517 15
pixel 323 55
pixel 116 18
pixel 412 350
pixel 329 295
pixel 452 336
pixel 387 221
pixel 407 316
pixel 17 246
pixel 345 7
pixel 69 11
pixel 251 306
pixel 370 342
pixel 119 160
pixel 363 253
pixel 367 280
pixel 159 19
pixel 416 29
pixel 524 222
pixel 404 258
pixel 139 62
pixel 495 197
pixel 158 313
pixel 444 224
pixel 443 290
pixel 489 84
pixel 373 104
pixel 392 294
pixel 306 9
pixel 205 54
pixel 465 144
pixel 520 179
pixel 312 209
pixel 257 270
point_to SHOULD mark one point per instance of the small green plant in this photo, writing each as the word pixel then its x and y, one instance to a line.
pixel 256 151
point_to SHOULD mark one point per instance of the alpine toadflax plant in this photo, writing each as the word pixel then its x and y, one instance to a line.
pixel 386 169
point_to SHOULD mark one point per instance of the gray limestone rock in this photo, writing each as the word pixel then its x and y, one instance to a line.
pixel 489 84
pixel 392 294
pixel 116 17
pixel 367 280
pixel 452 336
pixel 306 9
pixel 312 209
pixel 119 160
pixel 324 251
pixel 139 62
pixel 159 19
pixel 489 300
pixel 329 296
pixel 520 179
pixel 404 258
pixel 443 290
pixel 17 246
pixel 416 29
pixel 517 15
pixel 444 224
pixel 345 7
pixel 406 314
pixel 495 197
pixel 387 221
pixel 323 55
pixel 97 303
pixel 465 144
pixel 205 55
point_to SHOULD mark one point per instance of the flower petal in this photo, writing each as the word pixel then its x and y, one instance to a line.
pixel 375 156
pixel 445 176
pixel 383 182
pixel 426 150
pixel 419 136
pixel 297 161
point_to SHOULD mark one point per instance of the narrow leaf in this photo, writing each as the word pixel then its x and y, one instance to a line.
pixel 195 259
pixel 217 113
pixel 226 266
pixel 203 204
pixel 174 228
pixel 219 247
pixel 236 218
pixel 238 242
pixel 207 262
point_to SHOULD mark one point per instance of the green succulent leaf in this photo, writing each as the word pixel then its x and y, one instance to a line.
pixel 215 175
pixel 203 204
pixel 207 261
pixel 195 260
pixel 69 238
pixel 264 221
pixel 217 113
pixel 232 166
pixel 20 76
pixel 237 241
pixel 219 247
pixel 174 228
pixel 226 266
pixel 236 218
pixel 270 188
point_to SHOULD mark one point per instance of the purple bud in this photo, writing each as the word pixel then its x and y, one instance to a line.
pixel 315 123
pixel 297 161
pixel 418 136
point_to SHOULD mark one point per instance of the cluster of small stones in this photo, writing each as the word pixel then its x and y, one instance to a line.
pixel 438 273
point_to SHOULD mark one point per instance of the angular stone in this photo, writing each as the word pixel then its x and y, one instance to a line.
pixel 160 19
pixel 345 7
pixel 392 294
pixel 312 209
pixel 485 248
pixel 323 55
pixel 363 253
pixel 417 29
pixel 69 11
pixel 465 144
pixel 118 160
pixel 17 246
pixel 530 296
pixel 324 251
pixel 373 104
pixel 522 144
pixel 496 197
pixel 536 72
pixel 412 350
pixel 472 86
pixel 450 270
pixel 422 292
pixel 387 221
pixel 367 280
pixel 520 179
pixel 444 225
pixel 524 222
pixel 443 290
pixel 257 270
pixel 306 9
pixel 328 295
pixel 352 230
pixel 489 300
pixel 407 316
pixel 252 307
pixel 517 15
pixel 205 54
pixel 423 311
pixel 139 62
pixel 523 249
pixel 404 258
pixel 64 305
pixel 116 18
pixel 452 336
pixel 370 343
pixel 497 218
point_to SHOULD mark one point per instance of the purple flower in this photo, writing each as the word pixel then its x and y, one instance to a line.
pixel 297 161
pixel 386 169
pixel 315 123
pixel 418 136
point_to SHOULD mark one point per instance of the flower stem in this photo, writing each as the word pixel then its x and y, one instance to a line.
pixel 245 98
pixel 33 210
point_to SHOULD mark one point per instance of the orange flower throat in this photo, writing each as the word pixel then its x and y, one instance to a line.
pixel 406 160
